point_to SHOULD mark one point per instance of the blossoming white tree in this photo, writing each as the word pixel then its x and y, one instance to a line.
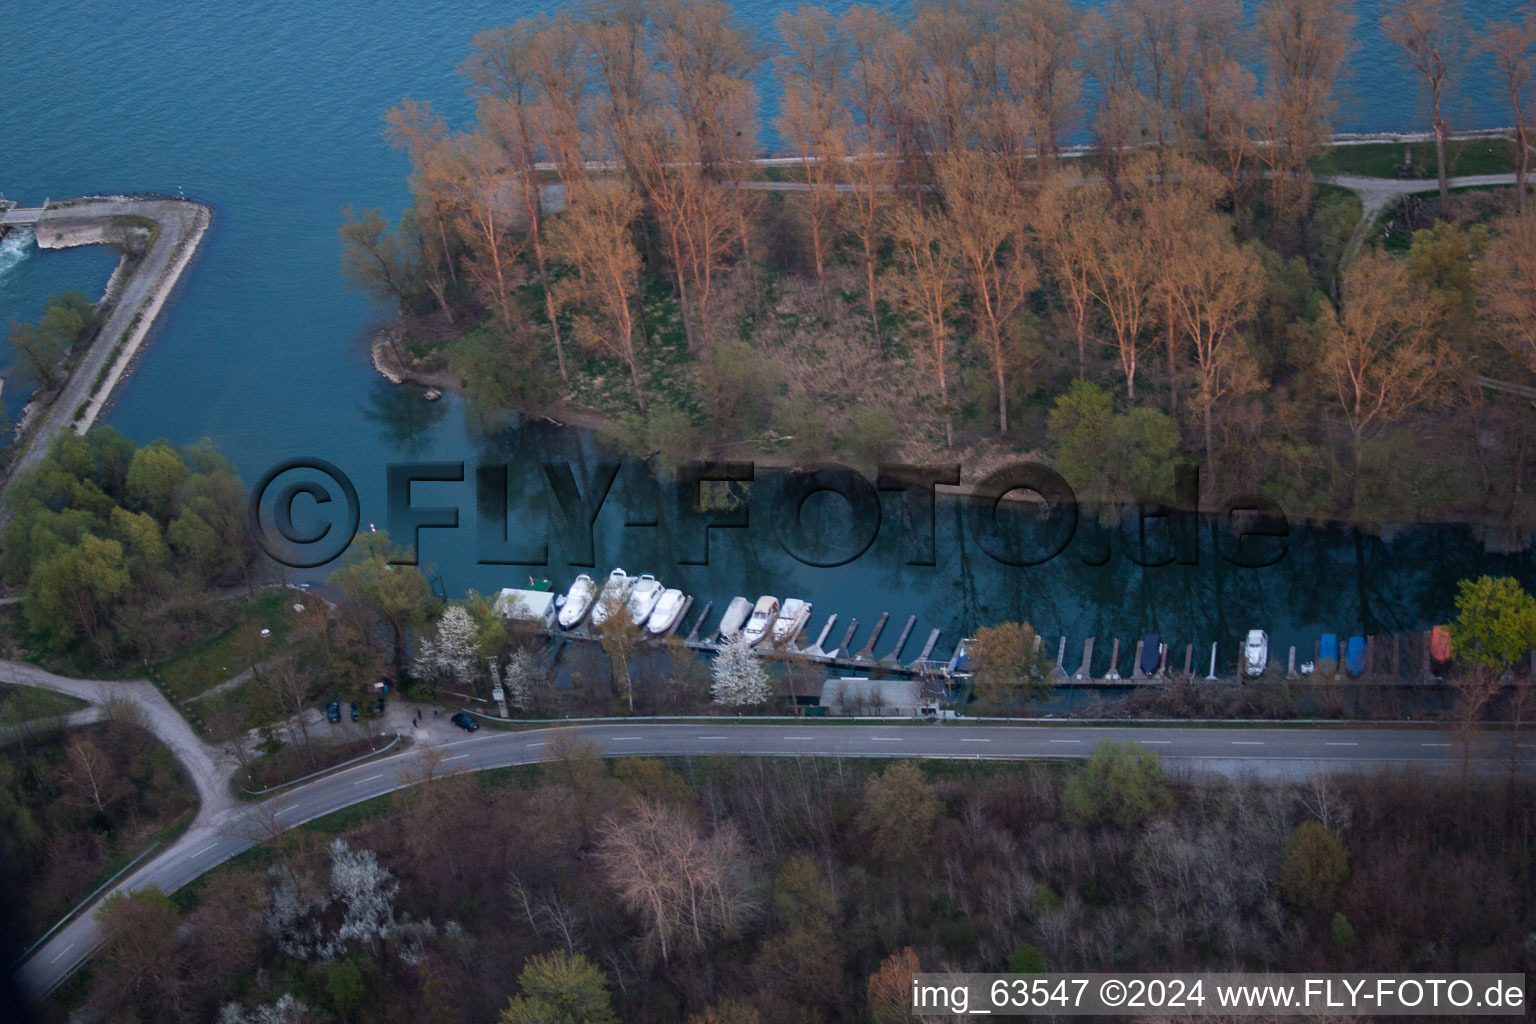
pixel 739 676
pixel 450 653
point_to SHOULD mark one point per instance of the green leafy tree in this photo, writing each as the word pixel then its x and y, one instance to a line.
pixel 1445 259
pixel 898 812
pixel 1122 785
pixel 1343 932
pixel 345 986
pixel 40 357
pixel 398 595
pixel 1315 867
pixel 1495 624
pixel 1143 448
pixel 1026 958
pixel 560 988
pixel 42 349
pixel 154 475
pixel 71 592
pixel 1079 425
pixel 1126 455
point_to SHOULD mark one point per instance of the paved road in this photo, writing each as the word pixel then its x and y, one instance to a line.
pixel 1273 753
pixel 202 761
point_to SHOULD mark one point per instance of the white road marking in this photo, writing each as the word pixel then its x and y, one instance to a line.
pixel 205 849
pixel 1341 744
pixel 1434 744
pixel 455 757
pixel 969 739
pixel 799 737
pixel 711 737
pixel 1155 743
pixel 1066 741
pixel 281 811
pixel 1247 743
pixel 540 744
pixel 60 954
pixel 888 739
pixel 624 737
pixel 370 778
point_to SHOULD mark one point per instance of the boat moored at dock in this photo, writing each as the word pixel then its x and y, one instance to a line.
pixel 1354 655
pixel 615 592
pixel 763 614
pixel 1255 652
pixel 1328 654
pixel 735 617
pixel 578 601
pixel 668 607
pixel 793 615
pixel 644 594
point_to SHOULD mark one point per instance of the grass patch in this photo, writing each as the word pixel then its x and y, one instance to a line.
pixel 1382 159
pixel 22 703
pixel 207 664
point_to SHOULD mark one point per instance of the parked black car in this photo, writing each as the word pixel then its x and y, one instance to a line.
pixel 354 711
pixel 333 712
pixel 465 721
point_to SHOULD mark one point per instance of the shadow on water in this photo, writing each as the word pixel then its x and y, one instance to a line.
pixel 1192 582
pixel 405 419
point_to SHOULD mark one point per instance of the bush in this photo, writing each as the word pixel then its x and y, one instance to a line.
pixel 1314 869
pixel 1026 959
pixel 872 434
pixel 1122 785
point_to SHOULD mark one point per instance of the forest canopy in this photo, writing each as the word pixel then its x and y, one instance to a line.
pixel 928 270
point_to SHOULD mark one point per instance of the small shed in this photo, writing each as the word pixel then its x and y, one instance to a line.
pixel 855 696
pixel 530 605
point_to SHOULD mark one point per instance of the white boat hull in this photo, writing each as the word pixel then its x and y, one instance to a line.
pixel 793 615
pixel 643 597
pixel 616 589
pixel 1256 652
pixel 763 615
pixel 578 601
pixel 735 617
pixel 665 615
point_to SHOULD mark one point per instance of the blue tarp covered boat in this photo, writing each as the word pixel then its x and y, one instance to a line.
pixel 1151 653
pixel 1354 655
pixel 1328 647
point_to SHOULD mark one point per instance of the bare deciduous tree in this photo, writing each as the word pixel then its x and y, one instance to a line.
pixel 1511 46
pixel 1379 353
pixel 594 236
pixel 929 289
pixel 812 115
pixel 987 221
pixel 1433 36
pixel 1305 45
pixel 688 886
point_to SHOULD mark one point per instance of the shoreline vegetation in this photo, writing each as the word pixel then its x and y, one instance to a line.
pixel 78 369
pixel 930 280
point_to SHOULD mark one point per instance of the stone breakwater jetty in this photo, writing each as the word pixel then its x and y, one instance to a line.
pixel 135 296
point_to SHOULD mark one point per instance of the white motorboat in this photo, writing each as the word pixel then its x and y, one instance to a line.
pixel 643 595
pixel 1256 652
pixel 669 606
pixel 793 615
pixel 735 617
pixel 615 590
pixel 763 614
pixel 577 602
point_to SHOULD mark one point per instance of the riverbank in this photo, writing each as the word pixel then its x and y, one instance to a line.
pixel 135 300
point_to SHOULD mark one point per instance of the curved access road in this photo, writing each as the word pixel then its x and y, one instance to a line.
pixel 1272 753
